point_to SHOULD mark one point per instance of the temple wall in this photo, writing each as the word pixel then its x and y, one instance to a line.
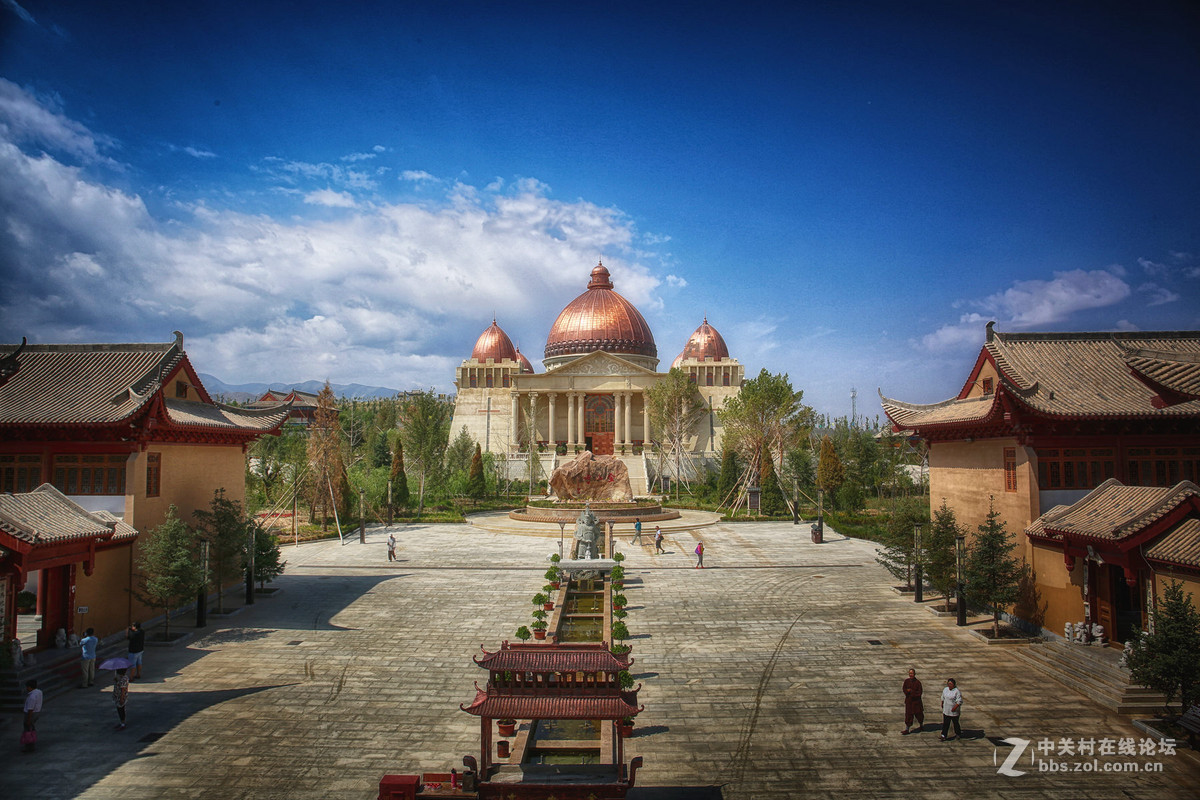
pixel 471 412
pixel 1060 593
pixel 104 592
pixel 1191 584
pixel 189 475
pixel 969 474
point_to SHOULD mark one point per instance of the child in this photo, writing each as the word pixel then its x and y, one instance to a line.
pixel 700 555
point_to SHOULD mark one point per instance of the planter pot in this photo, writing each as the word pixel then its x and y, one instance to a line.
pixel 618 608
pixel 507 728
pixel 502 749
pixel 625 729
pixel 539 634
pixel 548 606
pixel 555 584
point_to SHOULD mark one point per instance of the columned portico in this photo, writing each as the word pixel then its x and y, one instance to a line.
pixel 550 437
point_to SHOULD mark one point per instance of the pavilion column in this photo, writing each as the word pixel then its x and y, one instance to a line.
pixel 533 427
pixel 516 419
pixel 645 420
pixel 550 435
pixel 619 399
pixel 581 430
pixel 629 413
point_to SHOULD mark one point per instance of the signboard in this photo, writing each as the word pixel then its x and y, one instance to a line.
pixel 753 494
pixel 81 610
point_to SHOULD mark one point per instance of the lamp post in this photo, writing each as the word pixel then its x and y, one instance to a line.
pixel 795 502
pixel 919 589
pixel 562 532
pixel 608 545
pixel 960 558
pixel 250 547
pixel 362 516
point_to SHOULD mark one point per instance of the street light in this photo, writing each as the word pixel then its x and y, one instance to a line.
pixel 562 532
pixel 795 502
pixel 960 558
pixel 919 593
pixel 362 516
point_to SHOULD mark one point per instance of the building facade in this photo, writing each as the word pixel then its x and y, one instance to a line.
pixel 1042 420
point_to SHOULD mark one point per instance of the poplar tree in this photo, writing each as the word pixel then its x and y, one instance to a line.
pixel 425 426
pixel 325 457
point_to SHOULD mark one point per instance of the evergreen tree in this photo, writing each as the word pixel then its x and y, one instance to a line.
pixel 380 457
pixel 326 465
pixel 476 487
pixel 425 426
pixel 771 502
pixel 169 571
pixel 458 455
pixel 993 573
pixel 727 481
pixel 1167 657
pixel 227 531
pixel 267 559
pixel 938 558
pixel 897 553
pixel 399 479
pixel 830 472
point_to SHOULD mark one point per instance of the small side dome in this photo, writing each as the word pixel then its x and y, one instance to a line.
pixel 525 365
pixel 494 344
pixel 704 343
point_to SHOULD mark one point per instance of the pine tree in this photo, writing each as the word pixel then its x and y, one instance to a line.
pixel 993 574
pixel 476 488
pixel 728 480
pixel 830 472
pixel 267 563
pixel 399 478
pixel 771 502
pixel 939 555
pixel 897 553
pixel 1167 659
pixel 227 531
pixel 169 571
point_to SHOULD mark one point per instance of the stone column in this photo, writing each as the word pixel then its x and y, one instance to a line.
pixel 628 415
pixel 533 398
pixel 618 400
pixel 515 433
pixel 570 419
pixel 580 429
pixel 551 397
pixel 645 419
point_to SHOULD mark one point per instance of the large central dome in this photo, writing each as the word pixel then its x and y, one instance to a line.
pixel 600 319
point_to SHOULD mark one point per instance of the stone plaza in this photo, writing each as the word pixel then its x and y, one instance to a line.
pixel 773 672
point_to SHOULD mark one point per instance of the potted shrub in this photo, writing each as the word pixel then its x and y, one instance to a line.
pixel 543 600
pixel 620 613
pixel 552 575
pixel 26 602
pixel 539 626
pixel 625 727
pixel 617 574
pixel 523 633
pixel 618 557
pixel 619 631
pixel 507 727
pixel 619 601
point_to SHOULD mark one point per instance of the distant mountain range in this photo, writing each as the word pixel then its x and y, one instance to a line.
pixel 243 392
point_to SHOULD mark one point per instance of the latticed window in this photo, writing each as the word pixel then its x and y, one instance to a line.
pixel 20 473
pixel 90 474
pixel 1076 467
pixel 1010 469
pixel 153 474
pixel 598 414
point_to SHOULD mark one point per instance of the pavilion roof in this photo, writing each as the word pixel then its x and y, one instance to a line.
pixel 219 415
pixel 47 516
pixel 1075 375
pixel 556 657
pixel 494 705
pixel 1114 511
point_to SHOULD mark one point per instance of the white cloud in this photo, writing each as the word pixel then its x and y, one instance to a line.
pixel 352 157
pixel 417 176
pixel 969 330
pixel 380 293
pixel 1157 295
pixel 1031 303
pixel 293 171
pixel 20 12
pixel 197 153
pixel 1126 325
pixel 26 120
pixel 675 281
pixel 328 197
pixel 1152 268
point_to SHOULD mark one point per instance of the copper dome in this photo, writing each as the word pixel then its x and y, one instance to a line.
pixel 525 365
pixel 494 344
pixel 600 319
pixel 704 343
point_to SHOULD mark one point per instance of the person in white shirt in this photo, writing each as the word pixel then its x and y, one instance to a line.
pixel 952 700
pixel 31 711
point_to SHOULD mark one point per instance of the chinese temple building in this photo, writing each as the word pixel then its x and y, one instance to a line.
pixel 600 358
pixel 122 432
pixel 536 685
pixel 1051 427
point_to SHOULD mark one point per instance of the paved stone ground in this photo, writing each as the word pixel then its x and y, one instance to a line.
pixel 759 679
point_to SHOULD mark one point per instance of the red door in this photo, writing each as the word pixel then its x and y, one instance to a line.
pixel 598 423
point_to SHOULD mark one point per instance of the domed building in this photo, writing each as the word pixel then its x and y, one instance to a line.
pixel 600 359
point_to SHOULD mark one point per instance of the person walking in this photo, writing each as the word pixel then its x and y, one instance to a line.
pixel 658 539
pixel 391 547
pixel 87 660
pixel 952 701
pixel 120 695
pixel 29 715
pixel 914 708
pixel 700 555
pixel 637 531
pixel 137 646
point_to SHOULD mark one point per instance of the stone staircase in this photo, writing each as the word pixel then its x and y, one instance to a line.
pixel 56 671
pixel 638 480
pixel 1094 672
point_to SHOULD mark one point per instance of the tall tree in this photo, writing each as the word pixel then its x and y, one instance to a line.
pixel 830 472
pixel 275 463
pixel 1167 657
pixel 993 573
pixel 458 454
pixel 897 555
pixel 225 527
pixel 675 406
pixel 169 571
pixel 268 561
pixel 425 426
pixel 398 476
pixel 325 460
pixel 939 557
pixel 727 481
pixel 771 501
pixel 476 486
pixel 763 420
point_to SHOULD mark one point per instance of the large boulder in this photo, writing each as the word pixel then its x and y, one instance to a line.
pixel 592 477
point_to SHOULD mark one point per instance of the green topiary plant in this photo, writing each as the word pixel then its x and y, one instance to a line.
pixel 523 633
pixel 540 599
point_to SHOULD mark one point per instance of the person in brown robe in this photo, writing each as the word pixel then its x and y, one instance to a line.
pixel 913 707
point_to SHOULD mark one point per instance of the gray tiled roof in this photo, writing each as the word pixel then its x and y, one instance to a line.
pixel 1113 511
pixel 1179 546
pixel 1076 375
pixel 46 515
pixel 219 415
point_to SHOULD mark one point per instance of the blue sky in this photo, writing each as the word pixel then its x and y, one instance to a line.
pixel 849 191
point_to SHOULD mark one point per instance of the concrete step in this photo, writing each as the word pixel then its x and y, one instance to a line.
pixel 1097 678
pixel 56 671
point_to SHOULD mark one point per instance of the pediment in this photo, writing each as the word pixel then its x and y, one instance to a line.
pixel 599 363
